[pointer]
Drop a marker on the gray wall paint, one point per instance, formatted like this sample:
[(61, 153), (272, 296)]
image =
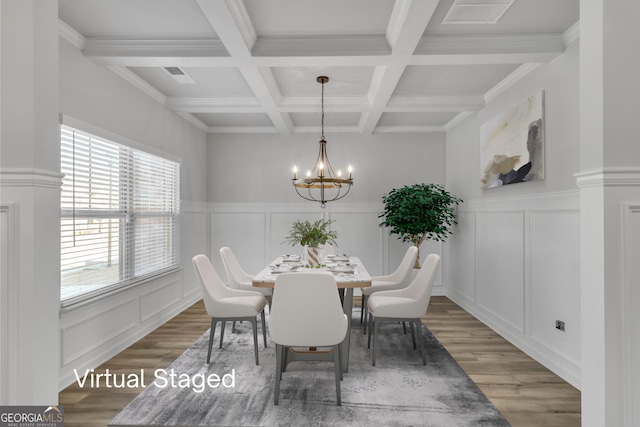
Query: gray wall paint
[(520, 244)]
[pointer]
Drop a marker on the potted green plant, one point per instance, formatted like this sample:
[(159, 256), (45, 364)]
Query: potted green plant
[(419, 212), (310, 236)]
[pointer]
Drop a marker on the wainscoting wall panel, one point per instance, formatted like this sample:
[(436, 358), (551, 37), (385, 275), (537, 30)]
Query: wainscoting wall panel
[(500, 265), (357, 227), (279, 224), (157, 300), (91, 332), (462, 271), (8, 320), (245, 233), (554, 282), (631, 233), (94, 331), (194, 241), (360, 235), (514, 264)]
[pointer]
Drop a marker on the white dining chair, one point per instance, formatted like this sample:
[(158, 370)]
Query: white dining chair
[(293, 323), (237, 277), (401, 278), (225, 304), (403, 305)]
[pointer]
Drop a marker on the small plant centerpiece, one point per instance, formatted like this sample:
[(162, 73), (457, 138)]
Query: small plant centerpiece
[(310, 236), (419, 212)]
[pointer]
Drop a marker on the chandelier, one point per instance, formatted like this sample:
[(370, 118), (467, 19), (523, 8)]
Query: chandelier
[(321, 183)]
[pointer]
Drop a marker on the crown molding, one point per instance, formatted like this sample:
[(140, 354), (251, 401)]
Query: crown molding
[(520, 72), (572, 34), (138, 82), (457, 119), (69, 34), (172, 48), (491, 44), (193, 120)]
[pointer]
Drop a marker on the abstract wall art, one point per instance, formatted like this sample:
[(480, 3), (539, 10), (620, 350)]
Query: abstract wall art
[(512, 145)]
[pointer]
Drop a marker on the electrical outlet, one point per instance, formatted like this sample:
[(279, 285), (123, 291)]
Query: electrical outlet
[(560, 325)]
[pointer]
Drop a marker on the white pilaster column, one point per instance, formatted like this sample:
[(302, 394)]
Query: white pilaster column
[(30, 192), (609, 184)]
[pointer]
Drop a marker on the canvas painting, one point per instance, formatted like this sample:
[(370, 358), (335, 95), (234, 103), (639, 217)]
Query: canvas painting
[(512, 145)]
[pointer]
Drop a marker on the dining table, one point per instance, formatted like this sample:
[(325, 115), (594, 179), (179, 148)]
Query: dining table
[(349, 273)]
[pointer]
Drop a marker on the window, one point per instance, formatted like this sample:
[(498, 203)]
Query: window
[(119, 215)]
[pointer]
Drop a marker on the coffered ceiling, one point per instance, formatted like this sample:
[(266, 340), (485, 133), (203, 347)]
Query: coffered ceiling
[(250, 66)]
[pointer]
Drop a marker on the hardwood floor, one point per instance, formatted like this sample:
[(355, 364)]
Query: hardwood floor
[(524, 391)]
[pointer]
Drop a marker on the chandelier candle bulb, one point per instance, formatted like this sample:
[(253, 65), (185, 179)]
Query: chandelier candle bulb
[(350, 169), (295, 172)]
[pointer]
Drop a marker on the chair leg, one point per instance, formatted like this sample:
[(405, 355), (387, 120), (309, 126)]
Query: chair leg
[(413, 335), (211, 334), (370, 322), (264, 328), (255, 338), (365, 310), (376, 327), (404, 327), (233, 326), (362, 307), (222, 325), (276, 394), (338, 371), (419, 331)]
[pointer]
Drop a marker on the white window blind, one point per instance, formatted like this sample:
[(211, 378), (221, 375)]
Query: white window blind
[(120, 215)]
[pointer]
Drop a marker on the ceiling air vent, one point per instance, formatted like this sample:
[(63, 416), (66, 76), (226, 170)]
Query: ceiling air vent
[(179, 75), (476, 11)]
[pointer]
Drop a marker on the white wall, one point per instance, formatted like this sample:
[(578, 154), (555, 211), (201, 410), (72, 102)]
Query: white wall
[(93, 96), (514, 257), (253, 203)]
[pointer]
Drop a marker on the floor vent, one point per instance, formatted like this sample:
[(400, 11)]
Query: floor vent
[(476, 11)]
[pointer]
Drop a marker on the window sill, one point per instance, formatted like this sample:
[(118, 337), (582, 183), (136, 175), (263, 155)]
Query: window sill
[(111, 291)]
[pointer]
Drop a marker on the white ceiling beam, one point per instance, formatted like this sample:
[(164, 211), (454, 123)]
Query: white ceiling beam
[(330, 45), (201, 47), (490, 44), (409, 21), (214, 105), (232, 25)]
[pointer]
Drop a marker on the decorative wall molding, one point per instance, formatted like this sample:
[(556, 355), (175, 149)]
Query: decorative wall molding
[(609, 177), (572, 34), (552, 200), (513, 78), (631, 321), (130, 314), (27, 177), (8, 302), (70, 35), (521, 243)]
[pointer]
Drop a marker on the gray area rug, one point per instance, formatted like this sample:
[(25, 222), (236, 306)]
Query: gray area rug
[(398, 391)]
